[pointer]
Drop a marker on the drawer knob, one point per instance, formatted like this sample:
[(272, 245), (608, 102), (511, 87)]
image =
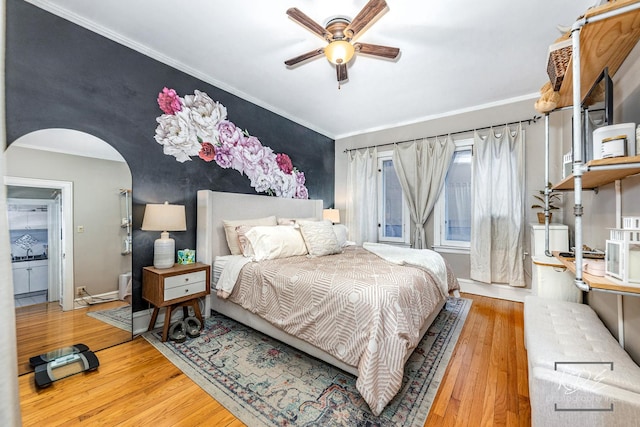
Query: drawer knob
[(186, 291)]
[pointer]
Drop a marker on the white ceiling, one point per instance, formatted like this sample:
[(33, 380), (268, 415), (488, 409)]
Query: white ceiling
[(68, 141), (456, 55)]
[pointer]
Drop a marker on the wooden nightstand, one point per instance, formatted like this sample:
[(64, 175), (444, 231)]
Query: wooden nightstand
[(178, 286)]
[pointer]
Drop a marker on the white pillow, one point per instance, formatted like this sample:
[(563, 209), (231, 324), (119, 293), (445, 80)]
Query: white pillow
[(232, 235), (275, 242), (319, 237), (243, 242), (341, 234)]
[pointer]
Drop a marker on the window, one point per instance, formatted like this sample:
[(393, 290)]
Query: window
[(452, 213), (393, 212)]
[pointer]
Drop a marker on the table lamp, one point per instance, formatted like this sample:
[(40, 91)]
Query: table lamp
[(164, 218), (332, 215)]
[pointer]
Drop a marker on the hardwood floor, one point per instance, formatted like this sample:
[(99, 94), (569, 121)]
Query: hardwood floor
[(485, 383), (45, 327)]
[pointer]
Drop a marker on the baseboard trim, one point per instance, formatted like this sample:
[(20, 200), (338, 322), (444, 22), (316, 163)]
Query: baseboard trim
[(141, 319), (83, 302), (494, 290)]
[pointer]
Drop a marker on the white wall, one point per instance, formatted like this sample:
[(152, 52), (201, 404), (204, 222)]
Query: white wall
[(97, 251), (599, 209), (534, 153)]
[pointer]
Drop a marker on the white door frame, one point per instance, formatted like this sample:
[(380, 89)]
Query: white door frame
[(66, 255)]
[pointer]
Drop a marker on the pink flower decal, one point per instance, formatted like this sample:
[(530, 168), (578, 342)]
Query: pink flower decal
[(301, 192), (207, 152), (169, 101), (284, 163), (187, 123), (224, 158), (229, 134)]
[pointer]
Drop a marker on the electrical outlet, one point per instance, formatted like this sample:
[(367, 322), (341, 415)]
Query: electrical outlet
[(81, 290)]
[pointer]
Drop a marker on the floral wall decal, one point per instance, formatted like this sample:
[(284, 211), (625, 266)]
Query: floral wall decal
[(196, 125)]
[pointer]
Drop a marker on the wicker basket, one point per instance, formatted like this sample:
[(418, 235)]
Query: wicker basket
[(559, 56)]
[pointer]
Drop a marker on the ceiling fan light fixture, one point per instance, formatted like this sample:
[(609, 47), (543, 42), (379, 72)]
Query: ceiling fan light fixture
[(339, 52)]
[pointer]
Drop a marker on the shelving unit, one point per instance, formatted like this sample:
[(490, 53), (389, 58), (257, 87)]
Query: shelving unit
[(603, 43), (606, 35), (125, 223), (601, 283), (603, 171)]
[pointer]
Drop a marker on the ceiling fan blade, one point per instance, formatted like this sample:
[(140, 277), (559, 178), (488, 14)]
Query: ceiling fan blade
[(377, 50), (368, 13), (308, 23), (341, 71), (304, 57)]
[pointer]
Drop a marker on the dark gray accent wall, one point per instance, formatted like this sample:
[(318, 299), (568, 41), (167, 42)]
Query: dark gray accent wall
[(60, 75)]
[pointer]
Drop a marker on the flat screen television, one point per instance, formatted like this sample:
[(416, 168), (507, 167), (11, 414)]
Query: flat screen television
[(597, 111)]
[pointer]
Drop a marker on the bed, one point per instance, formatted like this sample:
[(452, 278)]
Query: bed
[(366, 329)]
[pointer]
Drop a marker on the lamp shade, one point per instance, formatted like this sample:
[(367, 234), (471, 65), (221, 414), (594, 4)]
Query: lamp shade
[(164, 218), (339, 52), (332, 215)]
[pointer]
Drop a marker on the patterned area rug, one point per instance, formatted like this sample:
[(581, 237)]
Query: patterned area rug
[(266, 383), (119, 317)]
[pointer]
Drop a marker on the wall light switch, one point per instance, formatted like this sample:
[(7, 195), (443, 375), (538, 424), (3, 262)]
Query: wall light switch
[(81, 229)]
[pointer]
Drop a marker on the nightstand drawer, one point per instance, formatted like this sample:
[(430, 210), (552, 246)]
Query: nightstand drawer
[(184, 279), (184, 290)]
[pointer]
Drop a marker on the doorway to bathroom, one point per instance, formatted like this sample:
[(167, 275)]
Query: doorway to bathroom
[(40, 229)]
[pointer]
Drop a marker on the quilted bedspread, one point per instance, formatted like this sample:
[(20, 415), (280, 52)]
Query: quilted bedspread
[(365, 311)]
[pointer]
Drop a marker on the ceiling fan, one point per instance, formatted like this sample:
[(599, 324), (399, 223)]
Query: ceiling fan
[(339, 32)]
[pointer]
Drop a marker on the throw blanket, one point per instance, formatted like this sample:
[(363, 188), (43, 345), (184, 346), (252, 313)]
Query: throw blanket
[(356, 306), (229, 275), (425, 259)]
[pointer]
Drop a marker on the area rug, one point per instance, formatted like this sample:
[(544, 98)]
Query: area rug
[(119, 317), (264, 382)]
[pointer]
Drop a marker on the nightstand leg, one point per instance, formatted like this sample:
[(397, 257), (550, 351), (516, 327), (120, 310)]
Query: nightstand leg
[(196, 310), (154, 317), (167, 322)]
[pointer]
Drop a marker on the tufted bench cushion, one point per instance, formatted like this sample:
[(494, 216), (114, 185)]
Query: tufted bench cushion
[(578, 373)]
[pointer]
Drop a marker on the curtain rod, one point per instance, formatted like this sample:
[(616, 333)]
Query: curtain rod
[(527, 121)]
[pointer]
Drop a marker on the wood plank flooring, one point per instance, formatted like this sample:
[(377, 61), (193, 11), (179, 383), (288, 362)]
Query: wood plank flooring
[(485, 383), (45, 327)]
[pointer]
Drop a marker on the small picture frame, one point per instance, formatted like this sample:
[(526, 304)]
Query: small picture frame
[(186, 256)]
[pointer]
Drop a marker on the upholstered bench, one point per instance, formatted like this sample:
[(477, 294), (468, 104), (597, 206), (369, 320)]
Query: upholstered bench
[(578, 373)]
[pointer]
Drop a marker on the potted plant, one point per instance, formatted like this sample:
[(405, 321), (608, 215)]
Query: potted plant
[(554, 199)]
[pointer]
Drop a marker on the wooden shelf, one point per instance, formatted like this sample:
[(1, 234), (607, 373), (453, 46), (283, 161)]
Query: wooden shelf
[(598, 282), (603, 44), (595, 177)]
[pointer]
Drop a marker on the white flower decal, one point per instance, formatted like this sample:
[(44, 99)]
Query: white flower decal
[(176, 134)]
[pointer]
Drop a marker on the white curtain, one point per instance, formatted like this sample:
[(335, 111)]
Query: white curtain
[(497, 229), (422, 167), (362, 195), (10, 403)]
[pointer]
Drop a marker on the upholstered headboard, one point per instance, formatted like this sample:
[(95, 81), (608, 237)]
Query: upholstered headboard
[(214, 206)]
